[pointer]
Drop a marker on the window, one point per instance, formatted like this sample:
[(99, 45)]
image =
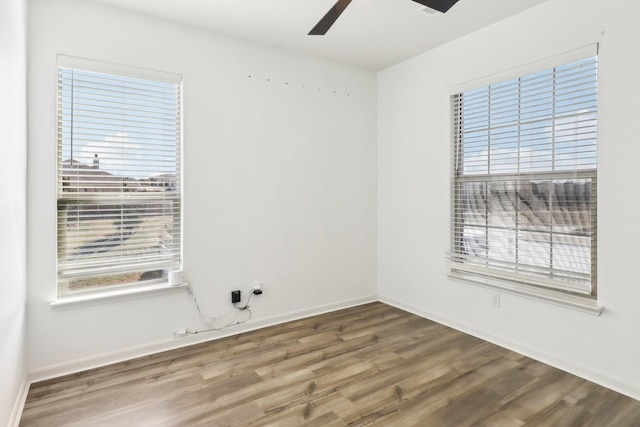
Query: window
[(524, 180), (118, 186)]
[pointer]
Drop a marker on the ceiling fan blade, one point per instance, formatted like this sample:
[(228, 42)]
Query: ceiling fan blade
[(327, 20), (439, 5)]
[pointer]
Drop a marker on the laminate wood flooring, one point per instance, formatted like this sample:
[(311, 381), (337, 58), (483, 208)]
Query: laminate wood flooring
[(367, 365)]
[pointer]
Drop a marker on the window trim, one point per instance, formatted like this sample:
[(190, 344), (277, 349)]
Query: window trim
[(574, 302), (112, 294), (579, 301), (132, 289)]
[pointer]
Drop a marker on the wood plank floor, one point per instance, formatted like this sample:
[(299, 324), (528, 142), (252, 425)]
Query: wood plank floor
[(366, 365)]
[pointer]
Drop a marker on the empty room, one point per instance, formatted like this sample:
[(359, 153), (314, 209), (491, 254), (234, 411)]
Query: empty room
[(319, 212)]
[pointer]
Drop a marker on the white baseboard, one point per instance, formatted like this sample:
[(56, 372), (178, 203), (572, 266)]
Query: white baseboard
[(18, 406), (616, 384), (97, 361)]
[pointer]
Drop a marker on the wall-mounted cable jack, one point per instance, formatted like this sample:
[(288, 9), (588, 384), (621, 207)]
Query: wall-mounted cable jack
[(179, 333)]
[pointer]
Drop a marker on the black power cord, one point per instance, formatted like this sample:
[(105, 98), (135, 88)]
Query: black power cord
[(244, 308)]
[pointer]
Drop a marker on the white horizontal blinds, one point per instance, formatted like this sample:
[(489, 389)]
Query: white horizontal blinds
[(524, 184), (118, 173)]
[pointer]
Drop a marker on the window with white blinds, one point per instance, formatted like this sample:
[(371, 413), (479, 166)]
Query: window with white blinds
[(524, 185), (118, 187)]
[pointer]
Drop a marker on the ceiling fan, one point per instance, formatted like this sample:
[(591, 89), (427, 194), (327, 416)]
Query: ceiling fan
[(332, 15)]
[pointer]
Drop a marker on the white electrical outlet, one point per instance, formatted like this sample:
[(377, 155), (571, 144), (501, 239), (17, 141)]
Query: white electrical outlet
[(257, 288), (495, 299), (179, 333)]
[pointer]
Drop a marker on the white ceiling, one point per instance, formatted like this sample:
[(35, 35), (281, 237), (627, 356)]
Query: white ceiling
[(372, 34)]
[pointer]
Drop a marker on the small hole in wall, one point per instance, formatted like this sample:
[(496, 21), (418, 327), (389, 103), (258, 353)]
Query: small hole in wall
[(302, 86)]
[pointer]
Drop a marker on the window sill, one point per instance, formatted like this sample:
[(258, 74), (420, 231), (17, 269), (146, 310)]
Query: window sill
[(573, 302), (115, 295)]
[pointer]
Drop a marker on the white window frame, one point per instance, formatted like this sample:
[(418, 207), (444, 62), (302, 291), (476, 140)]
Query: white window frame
[(503, 277), (143, 198)]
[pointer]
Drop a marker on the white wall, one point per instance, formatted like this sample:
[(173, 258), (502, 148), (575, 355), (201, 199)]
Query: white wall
[(413, 199), (13, 215), (280, 183)]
